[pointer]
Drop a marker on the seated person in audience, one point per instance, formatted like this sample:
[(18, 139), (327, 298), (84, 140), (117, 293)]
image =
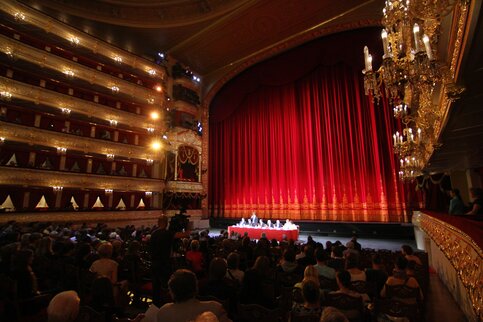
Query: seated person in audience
[(357, 245), (337, 260), (344, 282), (310, 273), (352, 266), (322, 268), (217, 285), (183, 287), (195, 257), (23, 273), (477, 204), (456, 205), (258, 285), (64, 307), (400, 277), (307, 256), (407, 252), (105, 266), (207, 317), (377, 274), (311, 296), (288, 264), (350, 250), (233, 272), (331, 314)]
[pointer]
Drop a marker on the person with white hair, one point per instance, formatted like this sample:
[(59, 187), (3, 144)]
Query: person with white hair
[(64, 307)]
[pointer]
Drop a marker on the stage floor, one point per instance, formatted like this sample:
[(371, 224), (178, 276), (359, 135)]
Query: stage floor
[(374, 243)]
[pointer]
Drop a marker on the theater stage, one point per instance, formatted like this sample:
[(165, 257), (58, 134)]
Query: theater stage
[(370, 235)]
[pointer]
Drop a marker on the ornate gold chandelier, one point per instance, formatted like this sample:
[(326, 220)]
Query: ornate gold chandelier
[(410, 75)]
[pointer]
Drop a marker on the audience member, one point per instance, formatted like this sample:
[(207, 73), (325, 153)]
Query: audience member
[(331, 314), (233, 272), (477, 204), (195, 257), (408, 252), (310, 273), (456, 205), (377, 274), (183, 287), (105, 266), (64, 307), (344, 282), (322, 268), (400, 277), (352, 266), (311, 304)]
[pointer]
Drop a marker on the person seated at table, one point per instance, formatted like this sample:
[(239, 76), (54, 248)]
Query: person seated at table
[(249, 222), (269, 224), (242, 222), (261, 224), (278, 224)]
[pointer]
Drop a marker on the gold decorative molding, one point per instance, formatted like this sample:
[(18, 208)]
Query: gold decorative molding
[(39, 95), (450, 91), (47, 60), (463, 253), (44, 178), (97, 46), (181, 136), (187, 83), (183, 186), (186, 107), (36, 136), (148, 216)]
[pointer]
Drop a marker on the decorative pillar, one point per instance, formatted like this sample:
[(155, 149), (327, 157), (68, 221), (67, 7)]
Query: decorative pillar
[(131, 202), (67, 126), (199, 166), (63, 158), (134, 169), (89, 166), (136, 139), (93, 131), (110, 197), (32, 156), (155, 169), (113, 167), (85, 203), (38, 117), (175, 165), (116, 136), (58, 199), (26, 199)]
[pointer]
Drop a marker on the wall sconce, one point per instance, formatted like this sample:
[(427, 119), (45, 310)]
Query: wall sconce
[(65, 110), (118, 59), (108, 191), (5, 95), (158, 88), (148, 193), (69, 73), (2, 140), (110, 156), (113, 122), (74, 40), (149, 161), (57, 188), (61, 150), (19, 16), (151, 100), (152, 72), (150, 130), (115, 89)]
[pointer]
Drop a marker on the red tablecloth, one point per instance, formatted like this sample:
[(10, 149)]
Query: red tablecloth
[(271, 233)]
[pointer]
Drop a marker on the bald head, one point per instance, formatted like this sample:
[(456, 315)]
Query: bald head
[(207, 317), (64, 307)]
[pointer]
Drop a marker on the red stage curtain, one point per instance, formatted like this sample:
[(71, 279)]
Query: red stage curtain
[(312, 148)]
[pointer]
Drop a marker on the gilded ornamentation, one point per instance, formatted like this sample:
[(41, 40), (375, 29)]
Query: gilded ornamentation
[(186, 107), (182, 136), (463, 253), (31, 135), (40, 20), (34, 177), (30, 54), (39, 95), (182, 186)]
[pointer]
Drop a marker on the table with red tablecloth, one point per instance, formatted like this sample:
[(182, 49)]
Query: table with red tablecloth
[(270, 233)]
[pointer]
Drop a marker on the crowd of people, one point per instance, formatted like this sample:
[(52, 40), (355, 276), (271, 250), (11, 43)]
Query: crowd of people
[(192, 273)]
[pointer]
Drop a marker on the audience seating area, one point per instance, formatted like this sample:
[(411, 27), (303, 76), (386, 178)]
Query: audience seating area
[(41, 259)]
